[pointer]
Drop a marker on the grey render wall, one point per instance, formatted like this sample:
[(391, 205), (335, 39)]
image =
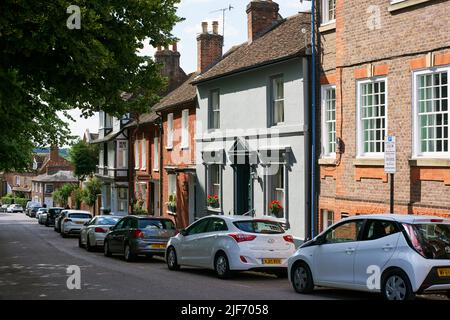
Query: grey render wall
[(244, 101)]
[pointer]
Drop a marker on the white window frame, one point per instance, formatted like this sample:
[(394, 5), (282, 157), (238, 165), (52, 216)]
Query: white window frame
[(359, 126), (156, 154), (325, 223), (213, 112), (18, 180), (143, 154), (416, 122), (121, 200), (169, 141), (185, 129), (274, 100), (326, 152), (136, 154), (209, 186), (172, 187), (271, 189), (325, 18), (48, 185), (122, 152)]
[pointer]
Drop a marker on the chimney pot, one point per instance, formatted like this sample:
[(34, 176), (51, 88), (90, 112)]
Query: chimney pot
[(204, 27), (215, 27), (175, 47)]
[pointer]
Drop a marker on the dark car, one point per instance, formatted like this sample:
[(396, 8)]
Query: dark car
[(33, 210), (51, 216), (139, 235)]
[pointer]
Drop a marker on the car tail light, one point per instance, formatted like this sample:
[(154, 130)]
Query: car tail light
[(138, 234), (243, 259), (100, 230), (241, 237), (415, 243), (288, 238), (67, 220)]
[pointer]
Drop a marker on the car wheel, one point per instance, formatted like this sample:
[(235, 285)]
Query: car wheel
[(127, 254), (222, 267), (80, 244), (88, 245), (172, 261), (106, 250), (302, 279), (395, 285)]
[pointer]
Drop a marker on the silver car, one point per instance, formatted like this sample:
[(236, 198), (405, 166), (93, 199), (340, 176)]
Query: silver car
[(72, 221), (93, 233), (39, 212)]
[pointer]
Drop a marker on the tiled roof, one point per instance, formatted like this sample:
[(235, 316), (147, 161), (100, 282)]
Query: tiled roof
[(285, 40), (60, 176), (186, 92)]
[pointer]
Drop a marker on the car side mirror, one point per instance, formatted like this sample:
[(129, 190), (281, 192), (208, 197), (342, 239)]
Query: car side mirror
[(86, 224), (183, 232)]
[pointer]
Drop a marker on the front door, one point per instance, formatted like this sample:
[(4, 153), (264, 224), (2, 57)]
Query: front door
[(155, 196), (242, 188)]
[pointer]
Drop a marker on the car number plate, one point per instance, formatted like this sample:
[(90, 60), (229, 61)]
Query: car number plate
[(79, 222), (443, 272), (271, 261), (158, 246)]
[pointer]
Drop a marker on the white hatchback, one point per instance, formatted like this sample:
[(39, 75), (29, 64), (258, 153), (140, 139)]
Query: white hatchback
[(73, 221), (397, 255), (231, 243)]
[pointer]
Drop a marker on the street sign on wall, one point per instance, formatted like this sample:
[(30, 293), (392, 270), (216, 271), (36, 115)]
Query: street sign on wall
[(389, 155)]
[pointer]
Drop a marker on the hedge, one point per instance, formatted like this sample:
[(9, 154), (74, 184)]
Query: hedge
[(10, 200)]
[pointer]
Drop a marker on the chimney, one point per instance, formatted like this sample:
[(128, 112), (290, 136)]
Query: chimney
[(170, 61), (209, 47), (54, 153), (261, 16)]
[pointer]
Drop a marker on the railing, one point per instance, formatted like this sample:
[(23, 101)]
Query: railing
[(112, 172)]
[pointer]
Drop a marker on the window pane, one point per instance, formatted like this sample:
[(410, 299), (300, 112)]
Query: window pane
[(330, 120), (346, 232), (277, 100)]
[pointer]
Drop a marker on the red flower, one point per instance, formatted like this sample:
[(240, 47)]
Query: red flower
[(275, 204)]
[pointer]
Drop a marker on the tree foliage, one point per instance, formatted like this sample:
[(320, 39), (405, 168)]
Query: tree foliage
[(84, 158), (46, 68), (61, 195), (91, 189)]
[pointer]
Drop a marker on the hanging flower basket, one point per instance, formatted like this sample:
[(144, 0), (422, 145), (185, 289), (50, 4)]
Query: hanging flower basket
[(213, 201), (275, 207)]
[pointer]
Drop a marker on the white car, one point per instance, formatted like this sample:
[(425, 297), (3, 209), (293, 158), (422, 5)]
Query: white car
[(39, 212), (231, 243), (73, 221), (14, 208), (93, 233), (397, 255)]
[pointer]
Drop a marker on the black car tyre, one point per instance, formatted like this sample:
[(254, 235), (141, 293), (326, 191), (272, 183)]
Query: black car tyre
[(128, 254), (80, 245), (395, 285), (448, 294), (106, 250), (88, 245), (221, 266), (172, 261), (302, 279)]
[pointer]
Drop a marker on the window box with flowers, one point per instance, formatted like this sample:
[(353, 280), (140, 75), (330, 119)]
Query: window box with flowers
[(276, 209), (213, 201), (172, 204)]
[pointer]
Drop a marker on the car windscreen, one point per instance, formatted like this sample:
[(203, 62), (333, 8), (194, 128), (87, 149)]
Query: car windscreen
[(54, 211), (80, 216), (432, 240), (260, 226), (107, 221), (156, 224)]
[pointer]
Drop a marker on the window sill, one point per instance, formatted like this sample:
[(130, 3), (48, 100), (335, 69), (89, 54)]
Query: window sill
[(327, 161), (171, 213), (184, 147), (169, 148), (429, 162), (217, 210), (375, 162), (328, 26), (156, 170), (404, 4)]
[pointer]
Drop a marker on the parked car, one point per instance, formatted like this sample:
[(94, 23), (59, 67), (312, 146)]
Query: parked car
[(410, 255), (93, 233), (33, 210), (29, 205), (52, 214), (14, 208), (139, 235), (4, 207), (39, 211), (58, 220), (232, 243), (72, 221), (42, 215)]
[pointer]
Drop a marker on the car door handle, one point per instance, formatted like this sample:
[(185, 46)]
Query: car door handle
[(350, 250), (388, 247)]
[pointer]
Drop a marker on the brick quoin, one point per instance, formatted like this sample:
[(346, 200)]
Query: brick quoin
[(403, 42)]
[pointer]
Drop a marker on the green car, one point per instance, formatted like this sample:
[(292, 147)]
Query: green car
[(139, 235)]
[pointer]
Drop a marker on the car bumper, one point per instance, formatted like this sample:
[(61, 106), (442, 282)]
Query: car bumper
[(256, 260), (434, 283), (149, 247), (71, 230)]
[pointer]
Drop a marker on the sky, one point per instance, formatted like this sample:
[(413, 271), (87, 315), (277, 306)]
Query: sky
[(195, 12)]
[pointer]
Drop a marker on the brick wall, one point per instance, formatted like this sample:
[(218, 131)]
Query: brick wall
[(394, 48)]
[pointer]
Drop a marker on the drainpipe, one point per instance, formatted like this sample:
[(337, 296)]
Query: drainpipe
[(313, 120), (159, 123)]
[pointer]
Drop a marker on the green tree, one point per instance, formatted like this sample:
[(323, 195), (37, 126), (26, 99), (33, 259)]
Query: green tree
[(77, 197), (84, 158), (92, 188), (47, 68)]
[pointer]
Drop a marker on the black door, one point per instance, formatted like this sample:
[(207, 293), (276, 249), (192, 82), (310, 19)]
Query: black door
[(242, 188)]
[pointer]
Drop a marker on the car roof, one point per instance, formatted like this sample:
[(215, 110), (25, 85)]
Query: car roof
[(240, 218), (77, 211), (402, 218), (148, 217)]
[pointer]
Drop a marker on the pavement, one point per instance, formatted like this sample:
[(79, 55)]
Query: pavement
[(34, 261)]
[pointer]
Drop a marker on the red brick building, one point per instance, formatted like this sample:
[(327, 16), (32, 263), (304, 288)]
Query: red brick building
[(384, 68)]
